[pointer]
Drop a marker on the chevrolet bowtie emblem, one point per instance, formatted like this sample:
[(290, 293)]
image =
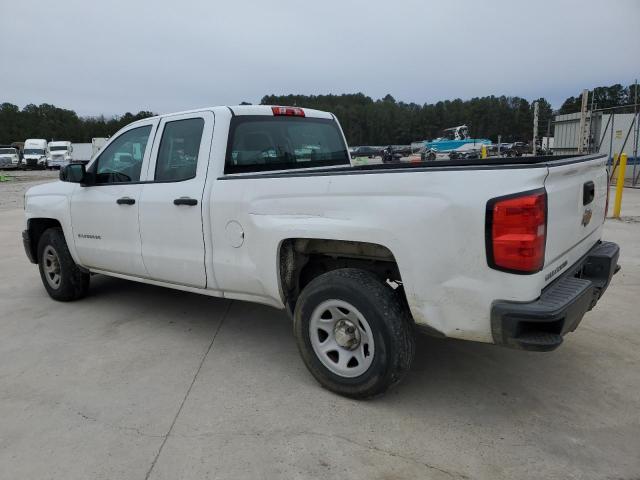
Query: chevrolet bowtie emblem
[(586, 217)]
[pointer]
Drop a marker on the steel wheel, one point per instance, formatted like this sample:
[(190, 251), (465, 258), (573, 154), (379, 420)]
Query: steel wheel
[(51, 267), (341, 338)]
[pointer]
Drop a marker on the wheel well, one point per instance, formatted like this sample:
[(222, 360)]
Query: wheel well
[(303, 259), (37, 227)]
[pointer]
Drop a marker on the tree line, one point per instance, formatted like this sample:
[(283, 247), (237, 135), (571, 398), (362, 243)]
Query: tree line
[(386, 121), (54, 123), (603, 97), (365, 121)]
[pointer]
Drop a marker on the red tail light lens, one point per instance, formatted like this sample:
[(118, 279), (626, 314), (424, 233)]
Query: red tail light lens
[(516, 232), (288, 111)]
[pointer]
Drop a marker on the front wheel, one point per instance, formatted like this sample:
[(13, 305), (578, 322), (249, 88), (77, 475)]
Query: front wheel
[(61, 277), (354, 333)]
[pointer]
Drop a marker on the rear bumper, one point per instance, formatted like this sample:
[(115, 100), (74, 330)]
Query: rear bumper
[(540, 325)]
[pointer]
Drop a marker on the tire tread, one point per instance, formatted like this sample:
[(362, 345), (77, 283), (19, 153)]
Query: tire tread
[(395, 315), (75, 283)]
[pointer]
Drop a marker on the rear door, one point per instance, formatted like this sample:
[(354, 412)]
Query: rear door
[(576, 198), (171, 200)]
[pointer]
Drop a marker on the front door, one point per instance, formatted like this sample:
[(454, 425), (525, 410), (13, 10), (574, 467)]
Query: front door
[(105, 213), (171, 201)]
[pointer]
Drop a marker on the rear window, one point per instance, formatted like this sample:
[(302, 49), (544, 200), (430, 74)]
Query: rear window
[(260, 143), (11, 151)]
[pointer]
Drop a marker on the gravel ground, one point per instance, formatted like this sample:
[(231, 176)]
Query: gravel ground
[(12, 192)]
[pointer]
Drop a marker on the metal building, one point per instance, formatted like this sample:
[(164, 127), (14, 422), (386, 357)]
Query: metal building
[(608, 132), (567, 133)]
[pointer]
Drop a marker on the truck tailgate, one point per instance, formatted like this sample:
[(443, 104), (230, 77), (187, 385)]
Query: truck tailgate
[(576, 202)]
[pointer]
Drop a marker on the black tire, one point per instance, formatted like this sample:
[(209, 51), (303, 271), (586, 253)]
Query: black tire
[(73, 283), (431, 157), (386, 314)]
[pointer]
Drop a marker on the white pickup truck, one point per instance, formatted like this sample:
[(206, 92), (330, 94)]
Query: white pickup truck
[(262, 204)]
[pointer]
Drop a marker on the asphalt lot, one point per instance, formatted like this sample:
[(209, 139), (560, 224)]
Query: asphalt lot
[(138, 382)]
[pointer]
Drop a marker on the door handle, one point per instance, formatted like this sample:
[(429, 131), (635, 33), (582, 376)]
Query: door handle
[(588, 192), (125, 201), (185, 201)]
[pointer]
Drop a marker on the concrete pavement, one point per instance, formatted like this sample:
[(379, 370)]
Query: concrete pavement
[(139, 382)]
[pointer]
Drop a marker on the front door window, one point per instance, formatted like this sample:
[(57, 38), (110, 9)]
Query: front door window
[(121, 160)]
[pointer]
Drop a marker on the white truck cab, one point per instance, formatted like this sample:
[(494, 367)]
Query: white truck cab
[(9, 157), (262, 204), (35, 152), (59, 154)]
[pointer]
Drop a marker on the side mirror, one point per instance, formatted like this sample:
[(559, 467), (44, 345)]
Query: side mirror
[(74, 173)]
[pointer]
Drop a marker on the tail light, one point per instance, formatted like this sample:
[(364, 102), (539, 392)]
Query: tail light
[(288, 111), (516, 232)]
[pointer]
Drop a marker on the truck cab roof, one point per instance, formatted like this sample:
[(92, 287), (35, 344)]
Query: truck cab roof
[(239, 110)]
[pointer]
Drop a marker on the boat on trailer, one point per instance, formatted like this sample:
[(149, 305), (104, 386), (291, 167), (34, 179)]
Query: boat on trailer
[(453, 143)]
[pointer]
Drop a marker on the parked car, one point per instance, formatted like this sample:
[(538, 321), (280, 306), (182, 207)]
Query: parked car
[(517, 149), (361, 257), (403, 150), (366, 151)]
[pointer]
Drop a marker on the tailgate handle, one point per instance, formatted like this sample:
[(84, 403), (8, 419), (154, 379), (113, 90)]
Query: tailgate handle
[(588, 192)]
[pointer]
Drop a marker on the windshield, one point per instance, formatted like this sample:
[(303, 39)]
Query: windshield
[(34, 151), (10, 151), (449, 134), (260, 143), (55, 148)]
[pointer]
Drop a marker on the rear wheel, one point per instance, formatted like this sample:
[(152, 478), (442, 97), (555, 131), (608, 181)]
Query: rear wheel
[(61, 277), (353, 332)]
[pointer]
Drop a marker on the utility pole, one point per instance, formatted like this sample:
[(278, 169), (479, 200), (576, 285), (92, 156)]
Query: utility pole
[(583, 120), (593, 99), (535, 126)]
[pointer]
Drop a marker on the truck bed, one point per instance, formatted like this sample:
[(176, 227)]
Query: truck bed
[(469, 164)]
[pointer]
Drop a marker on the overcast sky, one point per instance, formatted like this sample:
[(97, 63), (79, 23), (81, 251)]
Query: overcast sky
[(125, 55)]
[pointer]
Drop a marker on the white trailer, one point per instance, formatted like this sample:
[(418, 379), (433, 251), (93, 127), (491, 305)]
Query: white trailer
[(82, 152), (97, 144)]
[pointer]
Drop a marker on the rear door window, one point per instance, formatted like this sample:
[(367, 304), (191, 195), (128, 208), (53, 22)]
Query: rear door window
[(259, 143), (178, 152)]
